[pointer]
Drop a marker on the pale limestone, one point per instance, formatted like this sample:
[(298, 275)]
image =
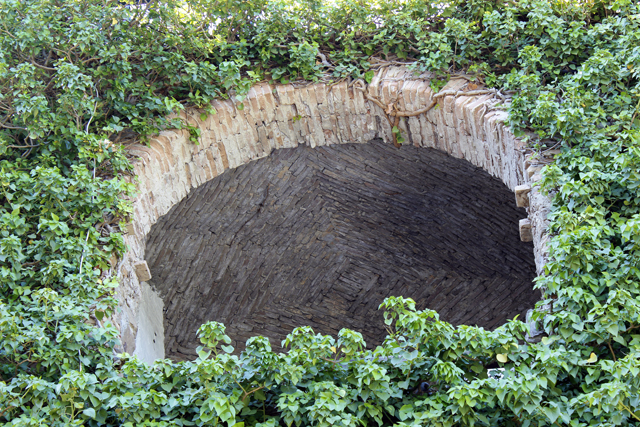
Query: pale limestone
[(526, 234), (522, 195), (142, 271)]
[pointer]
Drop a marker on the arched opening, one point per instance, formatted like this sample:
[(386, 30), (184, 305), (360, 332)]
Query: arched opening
[(319, 237), (463, 124)]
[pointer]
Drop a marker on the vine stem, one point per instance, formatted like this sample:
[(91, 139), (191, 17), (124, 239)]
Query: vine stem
[(250, 392), (611, 349), (458, 93), (392, 111), (93, 174), (95, 107), (635, 112), (628, 409)]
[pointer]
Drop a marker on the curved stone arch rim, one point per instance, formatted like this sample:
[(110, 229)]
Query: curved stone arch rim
[(285, 116)]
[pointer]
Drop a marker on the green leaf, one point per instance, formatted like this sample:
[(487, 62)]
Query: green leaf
[(477, 368), (405, 412), (552, 413), (368, 76)]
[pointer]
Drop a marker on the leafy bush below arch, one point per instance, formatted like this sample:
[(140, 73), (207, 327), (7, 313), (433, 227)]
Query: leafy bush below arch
[(79, 77)]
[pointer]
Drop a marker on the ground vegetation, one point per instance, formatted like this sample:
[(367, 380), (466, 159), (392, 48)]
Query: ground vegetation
[(79, 78)]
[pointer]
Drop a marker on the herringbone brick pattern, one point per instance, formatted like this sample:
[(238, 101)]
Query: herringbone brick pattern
[(321, 236)]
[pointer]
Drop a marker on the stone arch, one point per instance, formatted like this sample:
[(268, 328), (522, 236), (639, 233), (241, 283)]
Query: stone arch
[(465, 125)]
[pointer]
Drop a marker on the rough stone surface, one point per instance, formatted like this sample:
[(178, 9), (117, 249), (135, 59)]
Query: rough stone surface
[(320, 237), (150, 336), (522, 195), (286, 116)]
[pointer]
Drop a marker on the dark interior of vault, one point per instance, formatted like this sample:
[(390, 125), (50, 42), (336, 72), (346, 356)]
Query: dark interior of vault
[(319, 237)]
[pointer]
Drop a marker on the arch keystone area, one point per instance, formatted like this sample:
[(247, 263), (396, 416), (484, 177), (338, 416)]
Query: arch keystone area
[(460, 120)]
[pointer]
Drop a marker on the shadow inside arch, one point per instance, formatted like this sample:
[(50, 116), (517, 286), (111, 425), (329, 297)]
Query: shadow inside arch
[(321, 236)]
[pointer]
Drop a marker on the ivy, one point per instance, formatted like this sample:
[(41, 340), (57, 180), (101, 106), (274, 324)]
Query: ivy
[(79, 78)]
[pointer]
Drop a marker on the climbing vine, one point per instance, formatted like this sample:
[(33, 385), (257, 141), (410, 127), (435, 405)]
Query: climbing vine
[(80, 78)]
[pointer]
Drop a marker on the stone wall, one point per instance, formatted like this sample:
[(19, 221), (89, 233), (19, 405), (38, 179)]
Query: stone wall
[(464, 125)]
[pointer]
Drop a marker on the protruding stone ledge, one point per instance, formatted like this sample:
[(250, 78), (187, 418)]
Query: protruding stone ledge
[(142, 271), (533, 169), (526, 235), (522, 195), (129, 228)]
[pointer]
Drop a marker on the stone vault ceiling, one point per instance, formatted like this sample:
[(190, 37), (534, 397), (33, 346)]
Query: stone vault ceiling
[(321, 236)]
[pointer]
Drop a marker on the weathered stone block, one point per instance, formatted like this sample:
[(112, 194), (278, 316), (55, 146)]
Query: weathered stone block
[(142, 271), (533, 169), (129, 228), (522, 195), (525, 230)]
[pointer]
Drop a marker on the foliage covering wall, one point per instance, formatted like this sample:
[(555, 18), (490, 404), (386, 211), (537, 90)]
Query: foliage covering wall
[(78, 77)]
